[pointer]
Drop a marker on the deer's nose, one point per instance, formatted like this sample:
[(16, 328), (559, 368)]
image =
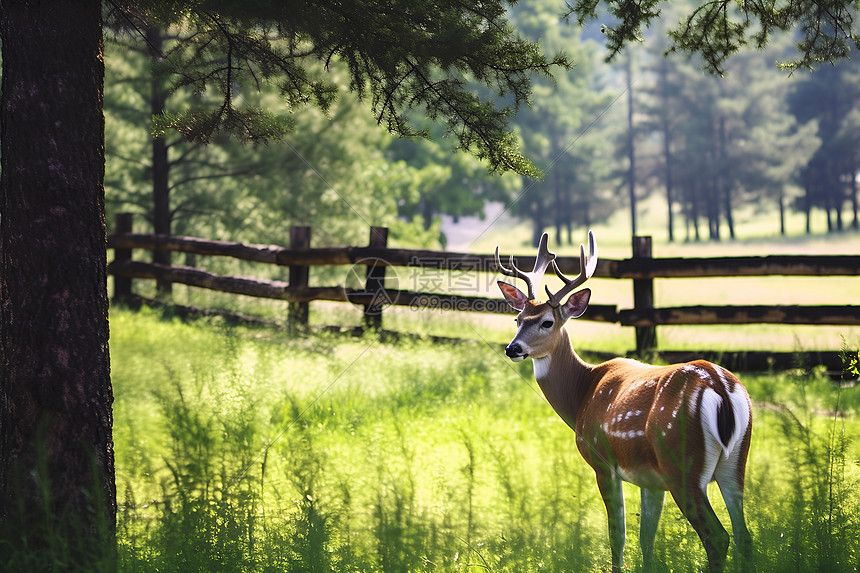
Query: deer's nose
[(514, 350)]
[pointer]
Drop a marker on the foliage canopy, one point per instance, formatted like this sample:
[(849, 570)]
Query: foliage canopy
[(400, 55), (720, 28)]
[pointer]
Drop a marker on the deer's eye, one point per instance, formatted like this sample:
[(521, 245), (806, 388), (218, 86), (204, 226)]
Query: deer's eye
[(546, 324)]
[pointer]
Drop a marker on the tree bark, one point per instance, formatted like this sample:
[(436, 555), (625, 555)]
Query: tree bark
[(57, 490)]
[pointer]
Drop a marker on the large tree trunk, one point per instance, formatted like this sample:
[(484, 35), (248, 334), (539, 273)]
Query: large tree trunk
[(57, 493)]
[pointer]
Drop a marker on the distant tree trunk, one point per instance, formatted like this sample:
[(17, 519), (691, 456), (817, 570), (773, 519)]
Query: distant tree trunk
[(781, 202), (536, 211), (712, 195), (558, 200), (855, 223), (161, 215), (722, 181), (832, 197), (568, 214), (714, 209), (670, 200), (685, 206), (666, 129), (427, 212), (631, 154), (695, 207), (57, 468), (807, 200), (838, 201)]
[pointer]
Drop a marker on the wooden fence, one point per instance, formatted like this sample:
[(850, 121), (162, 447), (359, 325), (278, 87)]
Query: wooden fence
[(642, 269)]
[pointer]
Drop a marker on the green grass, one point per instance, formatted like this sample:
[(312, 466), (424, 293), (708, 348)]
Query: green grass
[(241, 449)]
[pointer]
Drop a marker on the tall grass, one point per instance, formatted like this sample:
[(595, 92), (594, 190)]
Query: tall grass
[(244, 450)]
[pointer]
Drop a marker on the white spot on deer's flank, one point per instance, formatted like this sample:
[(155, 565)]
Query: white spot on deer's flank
[(628, 435)]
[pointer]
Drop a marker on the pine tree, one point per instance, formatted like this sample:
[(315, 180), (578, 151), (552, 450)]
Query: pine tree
[(727, 142), (55, 415), (57, 493), (831, 98), (558, 133), (716, 30)]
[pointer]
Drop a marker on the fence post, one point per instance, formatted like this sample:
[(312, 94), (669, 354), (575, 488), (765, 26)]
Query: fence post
[(643, 299), (123, 223), (375, 282), (298, 312)]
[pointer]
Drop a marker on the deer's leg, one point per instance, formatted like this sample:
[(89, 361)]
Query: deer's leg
[(650, 510), (695, 506), (612, 493), (731, 483)]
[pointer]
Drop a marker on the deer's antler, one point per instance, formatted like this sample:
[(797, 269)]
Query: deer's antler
[(587, 266), (542, 261)]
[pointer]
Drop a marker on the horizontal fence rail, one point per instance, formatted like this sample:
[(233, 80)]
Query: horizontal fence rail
[(642, 269), (773, 265)]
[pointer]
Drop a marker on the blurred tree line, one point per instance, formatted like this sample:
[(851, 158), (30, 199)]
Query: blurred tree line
[(711, 145), (335, 170), (756, 136)]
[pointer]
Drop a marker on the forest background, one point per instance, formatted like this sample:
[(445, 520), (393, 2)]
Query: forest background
[(607, 136)]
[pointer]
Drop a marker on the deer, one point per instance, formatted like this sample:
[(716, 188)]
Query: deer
[(662, 428)]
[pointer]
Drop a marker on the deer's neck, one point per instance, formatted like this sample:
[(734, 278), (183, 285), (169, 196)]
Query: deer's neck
[(564, 379)]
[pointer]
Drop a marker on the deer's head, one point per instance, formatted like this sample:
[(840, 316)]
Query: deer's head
[(539, 324)]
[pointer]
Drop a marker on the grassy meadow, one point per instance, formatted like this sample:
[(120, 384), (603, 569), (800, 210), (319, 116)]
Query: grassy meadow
[(244, 449)]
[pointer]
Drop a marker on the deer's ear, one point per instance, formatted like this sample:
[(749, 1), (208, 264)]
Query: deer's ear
[(515, 297), (577, 303)]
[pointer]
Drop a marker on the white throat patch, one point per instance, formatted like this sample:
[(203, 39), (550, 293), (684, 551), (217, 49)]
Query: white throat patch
[(541, 366)]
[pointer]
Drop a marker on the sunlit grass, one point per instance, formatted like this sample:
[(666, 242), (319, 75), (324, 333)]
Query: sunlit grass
[(243, 449)]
